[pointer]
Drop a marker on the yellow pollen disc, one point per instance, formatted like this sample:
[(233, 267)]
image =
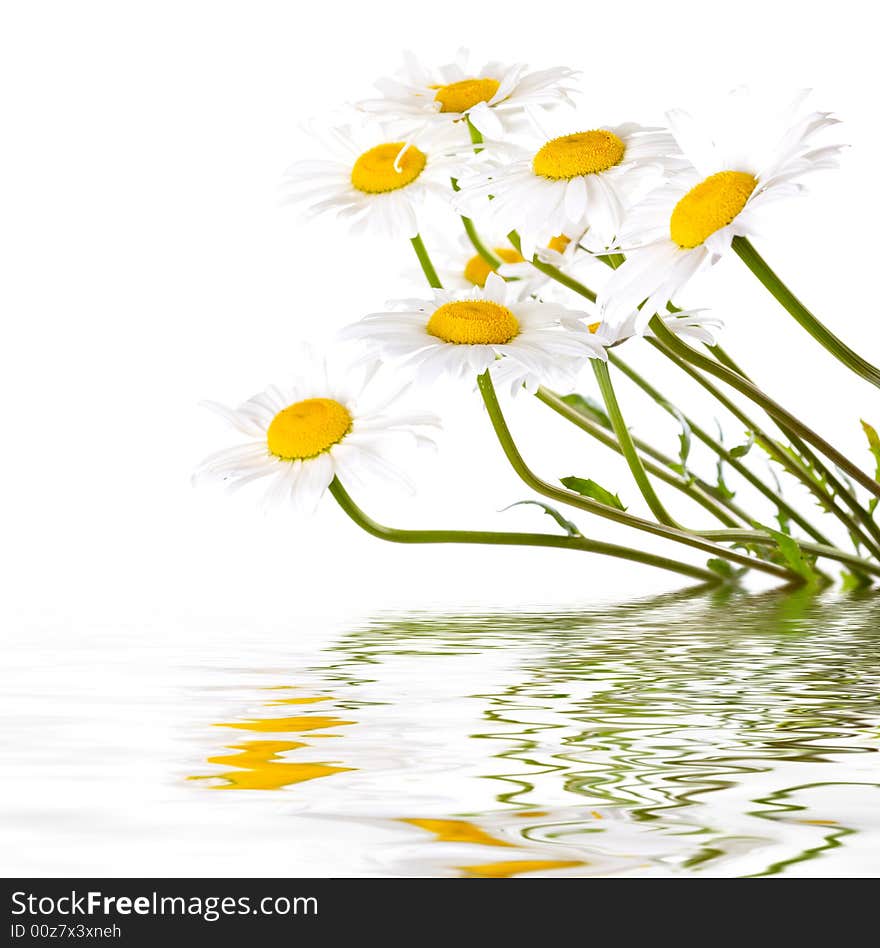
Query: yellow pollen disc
[(473, 323), (709, 206), (559, 243), (464, 95), (571, 156), (387, 168), (594, 327), (477, 269), (308, 428)]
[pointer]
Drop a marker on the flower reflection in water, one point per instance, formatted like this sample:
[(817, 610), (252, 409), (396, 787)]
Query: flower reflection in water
[(259, 764), (727, 734)]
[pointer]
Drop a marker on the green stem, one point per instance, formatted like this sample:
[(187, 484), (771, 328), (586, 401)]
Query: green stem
[(478, 245), (425, 261), (394, 535), (511, 452), (811, 458), (702, 435), (553, 272), (606, 387), (693, 489), (821, 333), (774, 409), (823, 550), (790, 462)]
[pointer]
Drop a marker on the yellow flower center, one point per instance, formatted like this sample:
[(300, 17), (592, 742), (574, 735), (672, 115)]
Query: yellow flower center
[(464, 95), (477, 269), (387, 167), (473, 323), (571, 156), (594, 327), (709, 206), (559, 243), (308, 428)]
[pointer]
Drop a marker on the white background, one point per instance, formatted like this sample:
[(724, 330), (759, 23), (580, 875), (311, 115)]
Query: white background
[(146, 264)]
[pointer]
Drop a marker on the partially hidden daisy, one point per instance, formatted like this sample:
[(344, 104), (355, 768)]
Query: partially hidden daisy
[(460, 266), (694, 325), (379, 185), (466, 332), (488, 97), (746, 157), (326, 425), (578, 182)]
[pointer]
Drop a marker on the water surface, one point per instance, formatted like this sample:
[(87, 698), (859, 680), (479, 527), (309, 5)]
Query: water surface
[(726, 734)]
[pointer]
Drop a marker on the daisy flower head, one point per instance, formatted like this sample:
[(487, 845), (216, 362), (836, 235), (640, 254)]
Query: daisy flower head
[(489, 98), (327, 424), (376, 184), (463, 333), (748, 155), (693, 325), (461, 267), (576, 182)]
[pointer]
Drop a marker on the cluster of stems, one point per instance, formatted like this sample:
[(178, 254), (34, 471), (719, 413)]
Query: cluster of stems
[(742, 542)]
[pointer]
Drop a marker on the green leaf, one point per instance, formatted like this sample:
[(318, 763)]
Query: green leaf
[(569, 527), (853, 580), (589, 408), (741, 450), (684, 439), (724, 568), (721, 487), (589, 488), (784, 521), (794, 556), (873, 444)]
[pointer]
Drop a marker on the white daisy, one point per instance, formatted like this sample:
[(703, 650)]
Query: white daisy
[(464, 333), (378, 185), (691, 324), (488, 97), (324, 425), (754, 155), (460, 267), (575, 182)]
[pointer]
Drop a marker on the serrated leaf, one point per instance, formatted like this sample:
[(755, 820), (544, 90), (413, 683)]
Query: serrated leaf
[(589, 408), (793, 555), (873, 444), (569, 527), (741, 450), (587, 487), (784, 521)]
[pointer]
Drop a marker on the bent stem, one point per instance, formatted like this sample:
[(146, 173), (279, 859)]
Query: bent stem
[(820, 332), (606, 387), (425, 262), (492, 538), (753, 393), (511, 452)]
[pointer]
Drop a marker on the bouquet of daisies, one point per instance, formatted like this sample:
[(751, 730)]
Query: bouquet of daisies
[(545, 199)]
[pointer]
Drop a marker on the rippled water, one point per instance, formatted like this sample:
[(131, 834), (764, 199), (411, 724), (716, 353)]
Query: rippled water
[(731, 734)]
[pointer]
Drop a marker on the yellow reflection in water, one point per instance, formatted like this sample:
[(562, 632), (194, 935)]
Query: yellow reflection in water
[(263, 769), (456, 831), (285, 725), (259, 764), (516, 867)]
